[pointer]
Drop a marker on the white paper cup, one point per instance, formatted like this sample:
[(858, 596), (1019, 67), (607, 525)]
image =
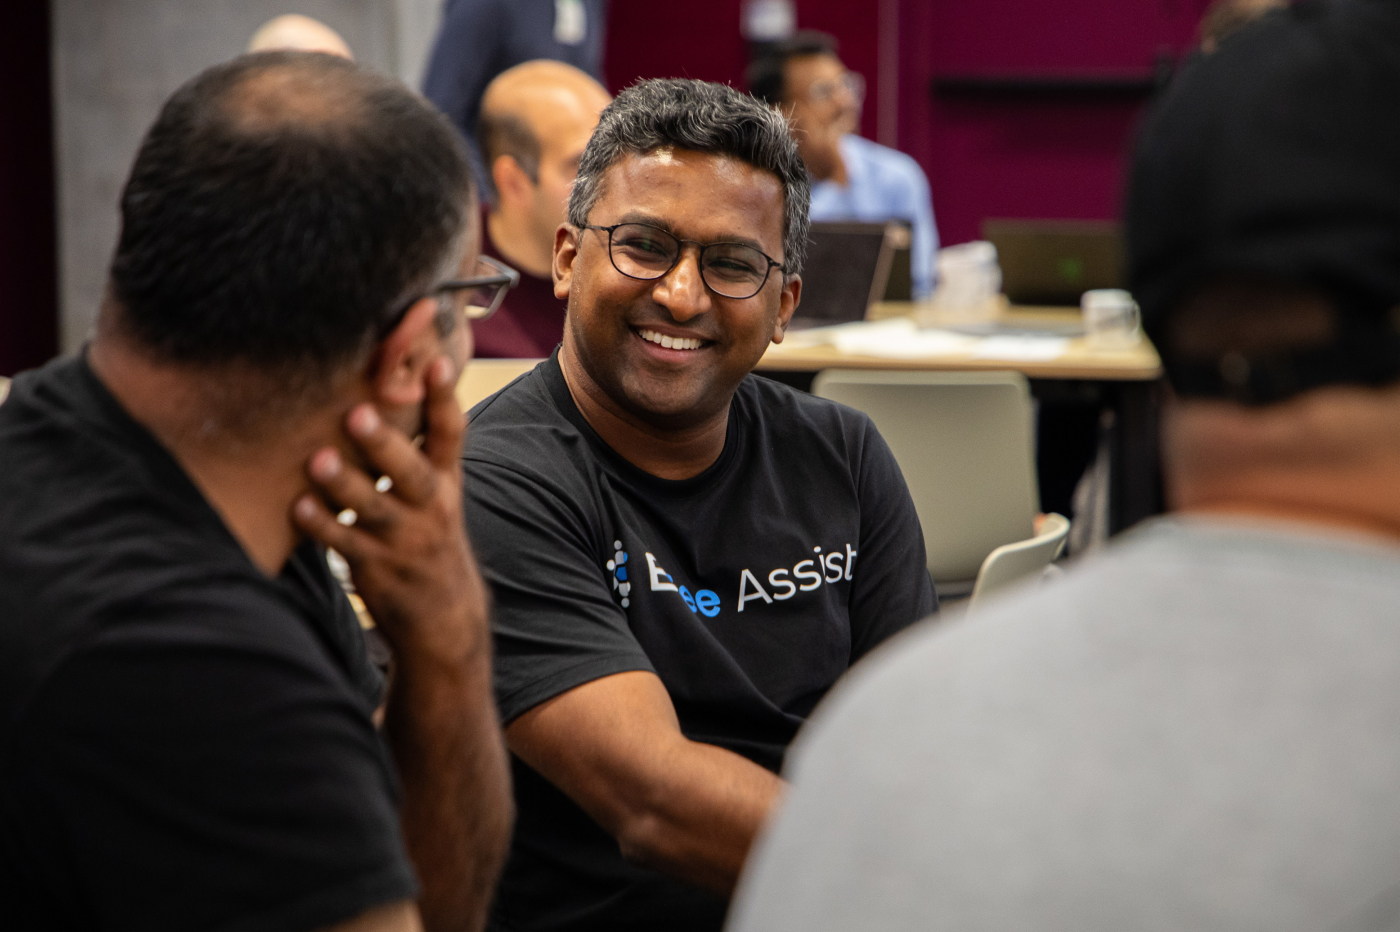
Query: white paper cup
[(1112, 320)]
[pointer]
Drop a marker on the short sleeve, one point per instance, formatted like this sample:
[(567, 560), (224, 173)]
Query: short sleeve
[(892, 586), (557, 622), (201, 781)]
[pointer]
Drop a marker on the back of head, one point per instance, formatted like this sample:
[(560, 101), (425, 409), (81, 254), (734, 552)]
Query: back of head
[(516, 99), (301, 33), (280, 211), (765, 73), (1264, 209), (700, 117)]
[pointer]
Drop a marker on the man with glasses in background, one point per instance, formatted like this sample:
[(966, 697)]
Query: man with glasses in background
[(684, 556), (852, 177)]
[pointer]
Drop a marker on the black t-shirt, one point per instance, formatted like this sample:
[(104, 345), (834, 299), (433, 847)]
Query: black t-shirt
[(185, 743), (748, 589)]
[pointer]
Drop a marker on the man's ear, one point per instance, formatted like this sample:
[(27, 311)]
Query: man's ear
[(513, 186), (791, 297), (565, 252), (397, 368)]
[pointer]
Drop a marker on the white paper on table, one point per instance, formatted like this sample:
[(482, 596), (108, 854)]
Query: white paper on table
[(898, 338), (1021, 348)]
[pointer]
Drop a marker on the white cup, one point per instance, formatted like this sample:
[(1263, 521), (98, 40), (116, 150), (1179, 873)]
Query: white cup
[(969, 280), (1112, 320)]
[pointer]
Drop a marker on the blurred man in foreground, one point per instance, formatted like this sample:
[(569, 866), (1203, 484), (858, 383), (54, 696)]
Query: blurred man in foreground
[(186, 740), (684, 556), (535, 121), (1196, 729), (852, 177)]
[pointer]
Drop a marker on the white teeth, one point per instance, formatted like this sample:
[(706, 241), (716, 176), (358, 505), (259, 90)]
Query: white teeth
[(680, 343)]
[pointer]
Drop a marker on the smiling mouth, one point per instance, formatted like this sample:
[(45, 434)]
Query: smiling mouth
[(665, 342)]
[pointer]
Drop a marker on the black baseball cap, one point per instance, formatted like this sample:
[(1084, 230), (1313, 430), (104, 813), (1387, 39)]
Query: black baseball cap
[(1277, 157)]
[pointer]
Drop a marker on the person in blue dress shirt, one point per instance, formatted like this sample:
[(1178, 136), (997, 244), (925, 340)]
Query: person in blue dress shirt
[(852, 177), (479, 39)]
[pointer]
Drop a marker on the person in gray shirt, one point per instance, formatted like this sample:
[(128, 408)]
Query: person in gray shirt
[(1195, 729)]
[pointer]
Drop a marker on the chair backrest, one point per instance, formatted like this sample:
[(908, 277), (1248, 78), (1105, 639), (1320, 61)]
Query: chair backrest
[(485, 377), (965, 443), (1010, 563)]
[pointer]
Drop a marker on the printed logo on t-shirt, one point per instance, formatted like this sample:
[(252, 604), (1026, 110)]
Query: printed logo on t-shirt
[(704, 601), (812, 574), (618, 567), (805, 576)]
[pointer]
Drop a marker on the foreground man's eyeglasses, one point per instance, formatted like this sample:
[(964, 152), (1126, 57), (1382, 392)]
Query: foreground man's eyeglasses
[(646, 253), (476, 298), (480, 296)]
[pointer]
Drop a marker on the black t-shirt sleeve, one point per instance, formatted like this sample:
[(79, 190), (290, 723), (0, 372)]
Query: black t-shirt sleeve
[(207, 783), (892, 586), (558, 623)]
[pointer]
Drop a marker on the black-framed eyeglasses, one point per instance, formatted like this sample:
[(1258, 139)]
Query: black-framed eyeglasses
[(646, 253), (475, 298)]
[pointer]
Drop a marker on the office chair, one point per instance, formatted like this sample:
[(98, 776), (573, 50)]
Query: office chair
[(965, 444)]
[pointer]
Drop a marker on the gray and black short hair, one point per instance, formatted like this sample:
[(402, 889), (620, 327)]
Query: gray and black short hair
[(700, 117)]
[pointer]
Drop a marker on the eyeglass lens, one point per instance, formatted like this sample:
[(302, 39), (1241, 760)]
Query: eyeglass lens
[(481, 302), (646, 253), (850, 82)]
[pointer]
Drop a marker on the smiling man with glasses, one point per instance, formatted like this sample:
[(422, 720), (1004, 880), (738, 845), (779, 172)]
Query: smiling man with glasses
[(684, 556)]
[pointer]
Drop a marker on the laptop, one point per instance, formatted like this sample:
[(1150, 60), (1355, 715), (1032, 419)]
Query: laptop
[(847, 270), (1053, 262)]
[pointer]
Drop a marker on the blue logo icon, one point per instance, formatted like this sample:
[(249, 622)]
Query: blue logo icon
[(618, 566)]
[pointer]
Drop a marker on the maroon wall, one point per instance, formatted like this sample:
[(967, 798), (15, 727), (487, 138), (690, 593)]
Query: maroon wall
[(989, 151), (1024, 148), (28, 277)]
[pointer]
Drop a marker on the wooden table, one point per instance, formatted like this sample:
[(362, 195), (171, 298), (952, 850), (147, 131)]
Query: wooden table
[(1079, 361), (1124, 383)]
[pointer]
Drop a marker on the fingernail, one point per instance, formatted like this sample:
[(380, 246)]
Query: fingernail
[(326, 464), (443, 373), (363, 420), (306, 507)]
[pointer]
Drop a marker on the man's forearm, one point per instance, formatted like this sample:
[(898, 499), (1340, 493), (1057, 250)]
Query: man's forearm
[(457, 810), (700, 820)]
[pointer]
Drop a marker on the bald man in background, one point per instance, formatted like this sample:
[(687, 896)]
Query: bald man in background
[(300, 34), (536, 119)]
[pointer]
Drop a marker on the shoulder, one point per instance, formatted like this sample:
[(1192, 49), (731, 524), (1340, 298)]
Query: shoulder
[(887, 163), (521, 426), (779, 410)]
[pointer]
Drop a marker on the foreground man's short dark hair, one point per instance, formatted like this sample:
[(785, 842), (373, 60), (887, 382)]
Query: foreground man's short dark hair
[(1272, 168), (281, 209), (700, 117)]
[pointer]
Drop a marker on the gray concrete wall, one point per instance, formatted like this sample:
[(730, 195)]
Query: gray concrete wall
[(115, 63)]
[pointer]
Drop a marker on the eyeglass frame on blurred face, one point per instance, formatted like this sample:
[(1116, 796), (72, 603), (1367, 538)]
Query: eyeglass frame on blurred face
[(851, 82), (505, 279), (680, 251)]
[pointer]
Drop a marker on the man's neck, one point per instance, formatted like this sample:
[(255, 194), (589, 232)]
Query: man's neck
[(519, 245), (680, 453), (826, 164), (1358, 519), (250, 484)]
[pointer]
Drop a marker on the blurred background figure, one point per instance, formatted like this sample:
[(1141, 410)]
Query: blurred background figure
[(481, 38), (299, 33), (535, 120), (1227, 16), (852, 177)]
